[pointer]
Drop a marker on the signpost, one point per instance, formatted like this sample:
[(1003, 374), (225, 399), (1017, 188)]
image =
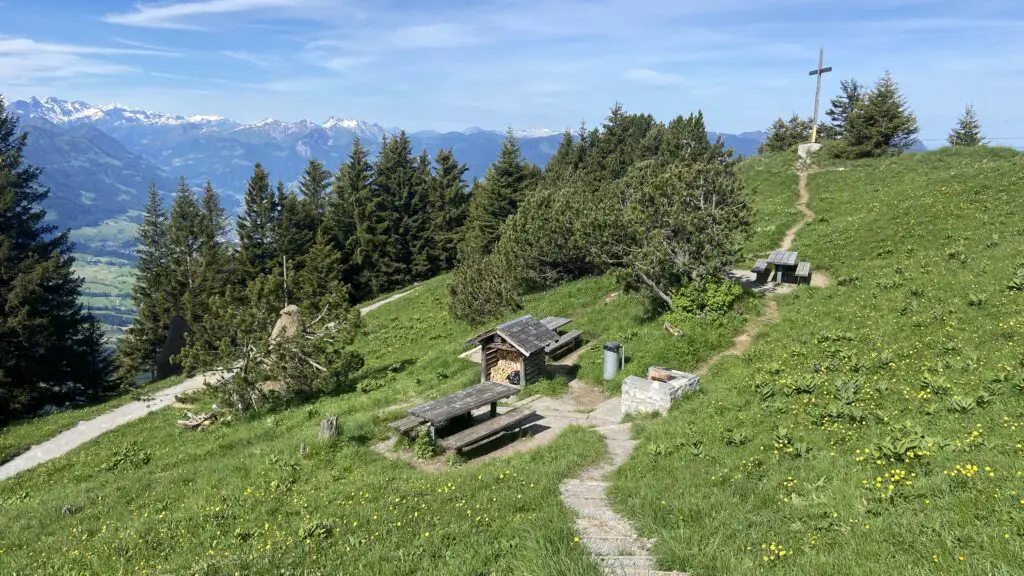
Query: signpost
[(817, 93)]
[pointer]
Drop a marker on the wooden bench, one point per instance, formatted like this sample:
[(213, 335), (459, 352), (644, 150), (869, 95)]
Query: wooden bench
[(407, 424), (760, 270), (803, 273), (564, 343), (554, 322), (486, 429)]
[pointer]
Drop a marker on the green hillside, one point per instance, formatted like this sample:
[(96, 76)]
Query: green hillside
[(910, 364)]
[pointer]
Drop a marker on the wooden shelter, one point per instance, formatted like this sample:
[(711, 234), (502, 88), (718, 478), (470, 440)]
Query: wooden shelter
[(514, 352)]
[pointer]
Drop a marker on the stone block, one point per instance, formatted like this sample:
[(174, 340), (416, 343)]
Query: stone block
[(646, 395)]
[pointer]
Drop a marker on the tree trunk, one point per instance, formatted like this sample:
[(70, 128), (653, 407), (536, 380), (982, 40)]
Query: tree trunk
[(329, 428)]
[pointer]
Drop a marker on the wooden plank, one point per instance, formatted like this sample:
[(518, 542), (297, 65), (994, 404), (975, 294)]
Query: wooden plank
[(782, 258), (486, 429), (406, 424), (554, 322), (567, 339), (462, 401), (760, 266), (803, 270)]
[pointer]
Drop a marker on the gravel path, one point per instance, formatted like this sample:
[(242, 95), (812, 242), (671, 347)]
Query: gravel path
[(87, 430)]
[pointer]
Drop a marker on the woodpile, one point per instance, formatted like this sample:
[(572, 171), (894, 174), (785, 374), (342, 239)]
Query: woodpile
[(197, 421), (508, 362)]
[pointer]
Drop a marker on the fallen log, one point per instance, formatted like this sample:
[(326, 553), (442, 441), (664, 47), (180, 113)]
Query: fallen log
[(196, 421)]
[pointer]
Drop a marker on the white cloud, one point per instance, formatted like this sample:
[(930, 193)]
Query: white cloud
[(23, 60), (263, 61), (652, 77), (175, 15)]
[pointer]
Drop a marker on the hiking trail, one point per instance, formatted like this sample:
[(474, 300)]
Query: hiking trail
[(611, 538), (87, 430)]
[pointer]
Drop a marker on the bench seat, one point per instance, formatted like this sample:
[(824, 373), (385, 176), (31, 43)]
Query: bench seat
[(565, 341), (803, 270), (407, 424), (486, 429), (760, 266)]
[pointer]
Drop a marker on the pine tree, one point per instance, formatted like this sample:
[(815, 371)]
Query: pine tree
[(563, 163), (386, 251), (45, 337), (314, 187), (841, 106), (417, 217), (138, 349), (967, 132), (495, 199), (782, 136), (184, 239), (319, 284), (296, 230), (351, 187), (881, 124), (449, 209), (257, 228)]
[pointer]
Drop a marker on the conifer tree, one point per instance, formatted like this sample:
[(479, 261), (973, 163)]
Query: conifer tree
[(184, 238), (350, 188), (296, 230), (314, 187), (138, 349), (449, 209), (385, 252), (417, 216), (495, 199), (967, 132), (563, 162), (881, 124), (841, 106), (783, 135), (257, 228), (45, 337), (319, 283)]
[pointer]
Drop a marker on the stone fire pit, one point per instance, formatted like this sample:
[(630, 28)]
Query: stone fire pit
[(656, 392)]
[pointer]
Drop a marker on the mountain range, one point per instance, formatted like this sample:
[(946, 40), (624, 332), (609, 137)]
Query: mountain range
[(99, 160)]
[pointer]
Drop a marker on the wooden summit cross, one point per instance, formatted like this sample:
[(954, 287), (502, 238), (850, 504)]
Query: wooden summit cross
[(817, 93)]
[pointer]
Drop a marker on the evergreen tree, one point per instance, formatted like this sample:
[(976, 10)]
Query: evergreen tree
[(417, 217), (881, 124), (352, 187), (138, 349), (46, 339), (563, 163), (495, 199), (184, 238), (319, 284), (967, 132), (386, 245), (257, 228), (296, 230), (841, 106), (314, 187), (782, 136), (449, 209)]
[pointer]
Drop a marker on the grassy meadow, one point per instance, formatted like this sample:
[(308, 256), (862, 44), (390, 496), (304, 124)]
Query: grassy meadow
[(150, 498), (878, 427)]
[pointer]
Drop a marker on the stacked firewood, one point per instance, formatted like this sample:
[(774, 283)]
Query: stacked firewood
[(508, 362)]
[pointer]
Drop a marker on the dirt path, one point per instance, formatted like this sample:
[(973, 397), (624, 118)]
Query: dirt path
[(610, 537), (88, 429)]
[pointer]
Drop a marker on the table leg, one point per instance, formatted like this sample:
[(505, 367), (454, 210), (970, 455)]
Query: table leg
[(494, 409), (433, 438)]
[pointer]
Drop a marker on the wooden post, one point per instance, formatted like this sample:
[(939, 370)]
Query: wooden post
[(494, 409), (817, 92), (483, 363)]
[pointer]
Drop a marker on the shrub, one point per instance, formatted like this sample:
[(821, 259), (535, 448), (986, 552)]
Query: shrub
[(705, 299)]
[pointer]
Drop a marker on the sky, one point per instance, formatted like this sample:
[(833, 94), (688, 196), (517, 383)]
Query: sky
[(451, 64)]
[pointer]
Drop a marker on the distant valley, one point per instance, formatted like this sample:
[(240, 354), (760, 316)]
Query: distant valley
[(99, 161)]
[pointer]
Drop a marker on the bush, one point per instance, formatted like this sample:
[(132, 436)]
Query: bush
[(711, 299)]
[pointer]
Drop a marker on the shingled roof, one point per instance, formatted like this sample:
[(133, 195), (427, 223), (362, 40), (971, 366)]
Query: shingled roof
[(526, 333)]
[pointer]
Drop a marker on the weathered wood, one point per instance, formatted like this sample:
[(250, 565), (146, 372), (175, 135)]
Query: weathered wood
[(760, 266), (405, 425), (659, 374), (486, 429), (782, 258), (566, 341), (803, 270), (462, 401), (329, 428), (554, 322)]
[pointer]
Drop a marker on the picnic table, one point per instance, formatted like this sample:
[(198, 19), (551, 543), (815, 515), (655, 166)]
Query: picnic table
[(464, 401)]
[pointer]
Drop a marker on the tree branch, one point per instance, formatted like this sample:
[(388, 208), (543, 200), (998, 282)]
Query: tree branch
[(654, 287)]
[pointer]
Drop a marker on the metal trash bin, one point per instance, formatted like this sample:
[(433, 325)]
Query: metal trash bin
[(614, 359)]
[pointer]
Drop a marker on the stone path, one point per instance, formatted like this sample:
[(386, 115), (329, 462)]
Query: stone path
[(89, 429), (610, 537)]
